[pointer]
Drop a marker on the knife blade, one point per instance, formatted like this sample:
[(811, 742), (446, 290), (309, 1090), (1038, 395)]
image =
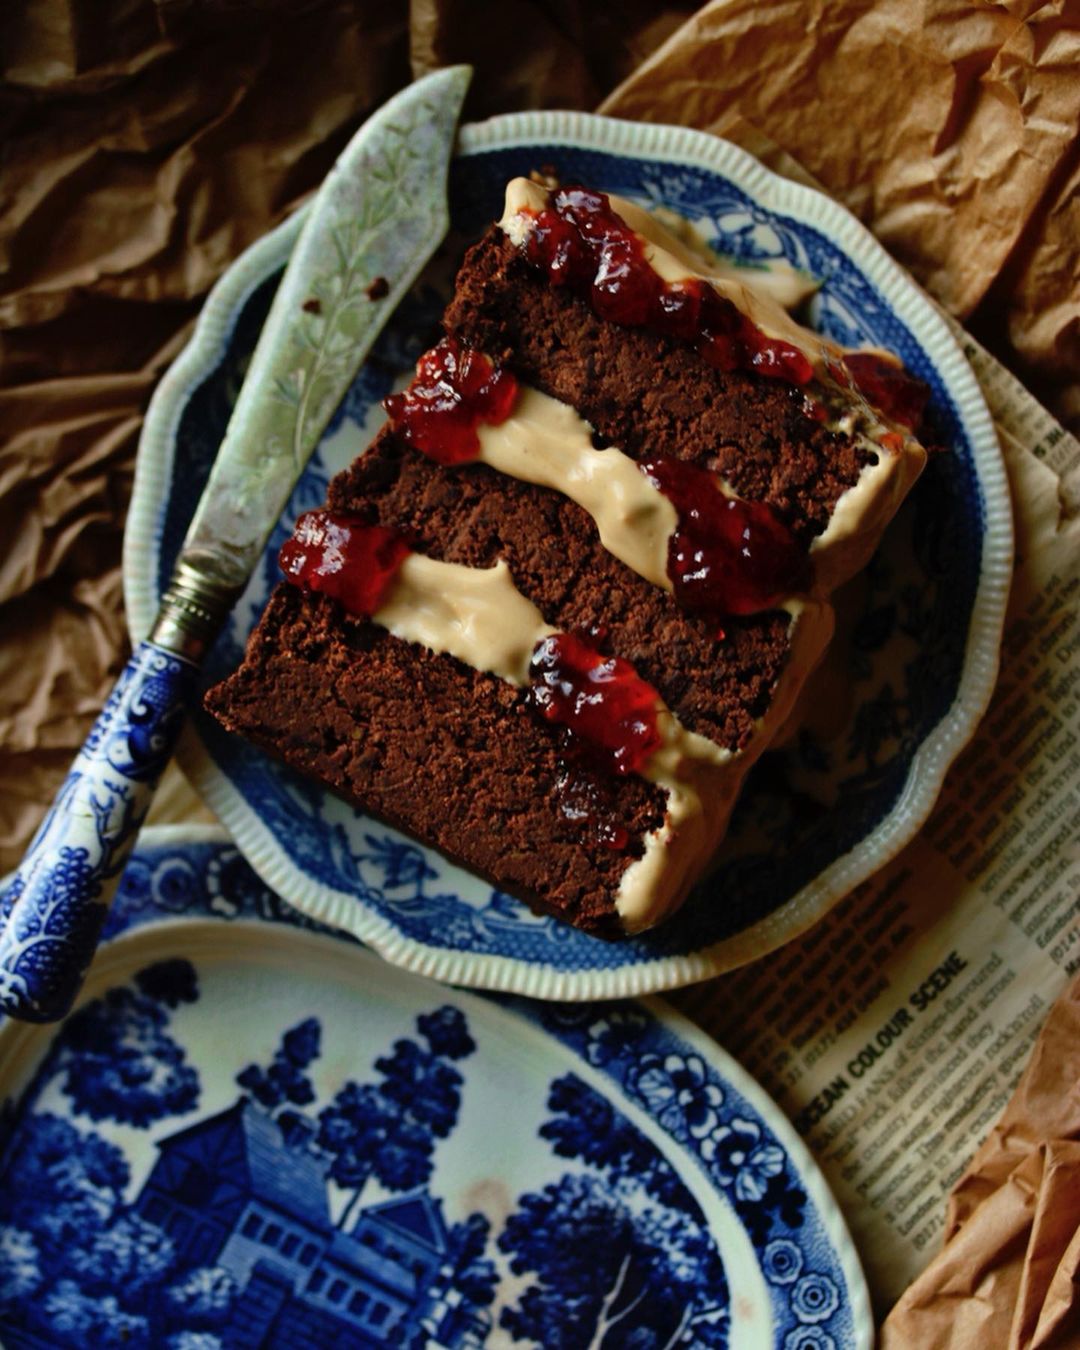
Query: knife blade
[(374, 223)]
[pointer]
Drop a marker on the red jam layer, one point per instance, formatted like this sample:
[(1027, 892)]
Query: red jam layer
[(455, 389), (889, 387), (342, 558), (581, 243), (726, 556), (598, 698)]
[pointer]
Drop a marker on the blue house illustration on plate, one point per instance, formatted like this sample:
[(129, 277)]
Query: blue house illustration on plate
[(235, 1191)]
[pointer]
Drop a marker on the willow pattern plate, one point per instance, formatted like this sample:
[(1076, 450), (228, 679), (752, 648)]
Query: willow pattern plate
[(366, 1159), (814, 820)]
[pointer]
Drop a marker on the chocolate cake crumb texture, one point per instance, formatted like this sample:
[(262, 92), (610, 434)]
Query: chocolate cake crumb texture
[(455, 756)]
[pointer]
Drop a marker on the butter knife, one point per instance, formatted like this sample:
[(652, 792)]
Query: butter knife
[(372, 226)]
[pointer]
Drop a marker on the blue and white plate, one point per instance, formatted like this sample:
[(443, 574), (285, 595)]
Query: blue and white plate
[(253, 1133), (921, 642)]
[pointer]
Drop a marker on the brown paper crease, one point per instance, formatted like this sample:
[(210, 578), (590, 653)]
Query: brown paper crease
[(146, 144), (139, 158), (949, 128), (1007, 1272)]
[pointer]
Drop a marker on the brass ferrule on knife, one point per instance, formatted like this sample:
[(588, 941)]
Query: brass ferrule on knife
[(192, 611)]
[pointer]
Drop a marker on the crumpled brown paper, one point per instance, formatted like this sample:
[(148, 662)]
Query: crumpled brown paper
[(146, 144), (1008, 1271), (561, 54), (950, 129), (143, 148)]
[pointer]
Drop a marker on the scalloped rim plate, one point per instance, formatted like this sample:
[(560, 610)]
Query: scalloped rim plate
[(492, 971), (146, 927)]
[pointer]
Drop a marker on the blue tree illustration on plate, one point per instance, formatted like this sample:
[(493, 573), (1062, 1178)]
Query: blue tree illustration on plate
[(20, 1266), (115, 1057), (63, 1186), (463, 1287), (620, 1254), (96, 1263), (587, 1126), (131, 1254), (201, 1300), (81, 1319), (286, 1080), (468, 1268), (202, 1293), (93, 1264), (388, 1129)]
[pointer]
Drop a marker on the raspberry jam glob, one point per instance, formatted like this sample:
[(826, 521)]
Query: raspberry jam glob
[(343, 558), (727, 555), (888, 386), (582, 244), (599, 699), (454, 390)]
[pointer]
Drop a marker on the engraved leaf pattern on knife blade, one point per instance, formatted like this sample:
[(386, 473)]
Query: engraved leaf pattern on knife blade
[(384, 213), (339, 308)]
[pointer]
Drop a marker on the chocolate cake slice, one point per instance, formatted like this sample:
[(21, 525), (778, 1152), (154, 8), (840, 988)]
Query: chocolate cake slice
[(549, 619)]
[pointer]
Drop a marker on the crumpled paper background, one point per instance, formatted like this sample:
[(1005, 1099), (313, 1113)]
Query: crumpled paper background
[(145, 145), (143, 148), (949, 128), (1008, 1273)]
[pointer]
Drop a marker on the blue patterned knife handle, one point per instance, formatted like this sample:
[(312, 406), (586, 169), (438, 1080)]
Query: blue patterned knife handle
[(52, 911), (380, 213)]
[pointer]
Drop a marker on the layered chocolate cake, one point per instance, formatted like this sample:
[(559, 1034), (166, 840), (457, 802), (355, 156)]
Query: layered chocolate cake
[(549, 619)]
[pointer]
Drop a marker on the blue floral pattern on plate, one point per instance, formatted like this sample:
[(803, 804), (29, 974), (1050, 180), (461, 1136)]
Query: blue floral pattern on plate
[(168, 1187), (909, 644)]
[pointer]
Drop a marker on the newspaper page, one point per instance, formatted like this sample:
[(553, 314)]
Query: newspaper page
[(895, 1030)]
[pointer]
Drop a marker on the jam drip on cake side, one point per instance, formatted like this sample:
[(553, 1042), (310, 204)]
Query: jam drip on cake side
[(728, 555), (885, 383), (579, 802), (582, 244), (598, 698)]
